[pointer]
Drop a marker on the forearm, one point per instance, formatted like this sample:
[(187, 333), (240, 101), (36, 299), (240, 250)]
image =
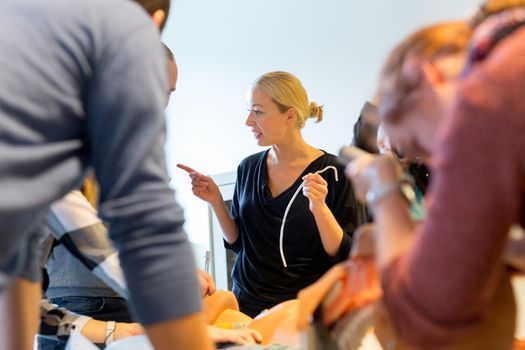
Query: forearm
[(394, 228), (379, 181), (95, 331), (230, 230), (188, 333), (126, 131), (19, 311), (329, 230), (57, 322)]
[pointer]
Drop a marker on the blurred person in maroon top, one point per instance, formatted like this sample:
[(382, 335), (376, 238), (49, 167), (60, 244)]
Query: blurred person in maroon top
[(438, 279)]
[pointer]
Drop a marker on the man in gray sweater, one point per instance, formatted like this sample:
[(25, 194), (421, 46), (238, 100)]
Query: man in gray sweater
[(83, 84)]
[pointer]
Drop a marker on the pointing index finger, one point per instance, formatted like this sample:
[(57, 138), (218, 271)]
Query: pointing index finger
[(186, 168)]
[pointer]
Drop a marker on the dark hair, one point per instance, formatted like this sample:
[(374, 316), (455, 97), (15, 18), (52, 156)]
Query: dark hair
[(154, 5), (492, 7), (365, 129), (421, 175)]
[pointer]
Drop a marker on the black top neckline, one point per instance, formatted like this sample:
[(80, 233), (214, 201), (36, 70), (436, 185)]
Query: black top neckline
[(293, 187)]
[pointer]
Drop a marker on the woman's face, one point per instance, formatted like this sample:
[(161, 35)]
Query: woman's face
[(267, 123), (415, 133)]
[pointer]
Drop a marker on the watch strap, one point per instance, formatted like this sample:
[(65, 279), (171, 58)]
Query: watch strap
[(377, 194)]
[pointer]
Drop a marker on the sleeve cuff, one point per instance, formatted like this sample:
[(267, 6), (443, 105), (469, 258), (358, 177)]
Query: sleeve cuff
[(80, 322)]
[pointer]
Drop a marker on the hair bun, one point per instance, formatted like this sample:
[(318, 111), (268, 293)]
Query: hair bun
[(316, 111)]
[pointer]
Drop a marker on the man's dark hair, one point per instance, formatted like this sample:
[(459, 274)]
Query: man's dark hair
[(365, 129), (154, 5)]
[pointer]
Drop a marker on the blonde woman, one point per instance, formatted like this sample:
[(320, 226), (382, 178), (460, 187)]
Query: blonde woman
[(293, 211)]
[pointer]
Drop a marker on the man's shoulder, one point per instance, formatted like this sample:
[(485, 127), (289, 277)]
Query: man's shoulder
[(503, 69), (106, 16)]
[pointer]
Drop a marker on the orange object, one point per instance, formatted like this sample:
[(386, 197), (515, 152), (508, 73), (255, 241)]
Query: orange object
[(359, 286), (344, 287), (519, 344)]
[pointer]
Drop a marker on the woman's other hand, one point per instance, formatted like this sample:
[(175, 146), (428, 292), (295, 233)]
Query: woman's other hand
[(202, 186), (315, 188)]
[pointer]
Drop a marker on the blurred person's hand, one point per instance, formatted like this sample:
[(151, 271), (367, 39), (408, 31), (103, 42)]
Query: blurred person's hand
[(369, 171), (242, 336), (363, 242), (206, 283)]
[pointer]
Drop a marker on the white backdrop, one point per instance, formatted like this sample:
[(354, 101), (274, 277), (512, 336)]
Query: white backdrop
[(336, 48)]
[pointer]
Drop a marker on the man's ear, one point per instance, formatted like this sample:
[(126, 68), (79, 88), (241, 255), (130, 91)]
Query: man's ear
[(158, 18)]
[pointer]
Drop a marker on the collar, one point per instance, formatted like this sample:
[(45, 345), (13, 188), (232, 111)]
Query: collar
[(492, 30)]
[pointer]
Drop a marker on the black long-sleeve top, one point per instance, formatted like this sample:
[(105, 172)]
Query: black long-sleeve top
[(260, 279)]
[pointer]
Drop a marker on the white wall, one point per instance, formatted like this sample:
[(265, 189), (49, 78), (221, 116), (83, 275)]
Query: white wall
[(335, 47)]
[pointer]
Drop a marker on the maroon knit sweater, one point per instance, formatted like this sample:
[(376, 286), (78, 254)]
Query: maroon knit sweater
[(444, 284)]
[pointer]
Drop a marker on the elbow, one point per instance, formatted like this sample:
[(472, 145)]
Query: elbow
[(483, 333), (339, 251), (421, 335), (408, 327), (419, 324), (333, 251), (232, 237)]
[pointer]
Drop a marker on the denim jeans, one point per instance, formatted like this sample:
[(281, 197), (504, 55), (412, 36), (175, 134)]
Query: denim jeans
[(100, 308)]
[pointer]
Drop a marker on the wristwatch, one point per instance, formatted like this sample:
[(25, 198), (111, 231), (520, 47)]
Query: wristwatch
[(375, 195), (110, 331)]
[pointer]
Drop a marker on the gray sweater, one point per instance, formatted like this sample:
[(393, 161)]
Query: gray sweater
[(83, 84)]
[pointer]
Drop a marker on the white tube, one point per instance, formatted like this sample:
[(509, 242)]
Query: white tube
[(281, 235)]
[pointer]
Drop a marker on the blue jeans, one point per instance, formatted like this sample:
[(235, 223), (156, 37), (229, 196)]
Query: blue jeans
[(100, 308)]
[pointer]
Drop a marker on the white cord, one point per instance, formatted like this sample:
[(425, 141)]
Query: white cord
[(281, 237)]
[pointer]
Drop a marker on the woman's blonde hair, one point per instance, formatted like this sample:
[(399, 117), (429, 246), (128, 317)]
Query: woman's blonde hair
[(398, 78), (287, 92)]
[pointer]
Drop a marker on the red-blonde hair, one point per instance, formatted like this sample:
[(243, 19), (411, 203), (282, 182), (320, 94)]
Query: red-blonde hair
[(398, 79)]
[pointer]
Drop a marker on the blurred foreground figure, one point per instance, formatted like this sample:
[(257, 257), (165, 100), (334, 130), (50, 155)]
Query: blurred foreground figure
[(83, 86), (442, 280)]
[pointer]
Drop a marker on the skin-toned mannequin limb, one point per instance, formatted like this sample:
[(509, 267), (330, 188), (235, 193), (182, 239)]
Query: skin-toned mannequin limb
[(278, 324)]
